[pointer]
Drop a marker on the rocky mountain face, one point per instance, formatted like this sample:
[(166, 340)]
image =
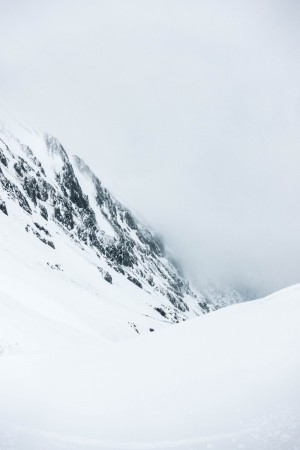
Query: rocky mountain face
[(57, 197)]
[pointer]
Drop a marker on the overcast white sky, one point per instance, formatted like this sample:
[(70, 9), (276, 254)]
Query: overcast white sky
[(187, 110)]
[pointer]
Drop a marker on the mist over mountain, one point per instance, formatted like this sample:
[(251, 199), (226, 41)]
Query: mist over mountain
[(56, 204), (187, 111)]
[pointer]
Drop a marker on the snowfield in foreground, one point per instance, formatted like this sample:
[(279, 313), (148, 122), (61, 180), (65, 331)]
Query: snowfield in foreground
[(226, 380)]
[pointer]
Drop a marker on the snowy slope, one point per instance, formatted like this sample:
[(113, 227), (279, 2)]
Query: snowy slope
[(65, 238), (83, 281), (225, 380)]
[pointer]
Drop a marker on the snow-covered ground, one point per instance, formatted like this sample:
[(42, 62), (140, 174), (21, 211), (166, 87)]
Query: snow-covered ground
[(226, 380)]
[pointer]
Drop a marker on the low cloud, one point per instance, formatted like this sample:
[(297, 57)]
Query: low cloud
[(188, 111)]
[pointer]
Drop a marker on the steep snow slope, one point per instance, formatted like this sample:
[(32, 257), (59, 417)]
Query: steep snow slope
[(65, 235), (225, 380)]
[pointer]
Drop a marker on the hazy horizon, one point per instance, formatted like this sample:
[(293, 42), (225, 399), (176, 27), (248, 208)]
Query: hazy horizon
[(187, 111)]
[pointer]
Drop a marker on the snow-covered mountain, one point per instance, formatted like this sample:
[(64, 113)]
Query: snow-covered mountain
[(60, 225), (79, 276)]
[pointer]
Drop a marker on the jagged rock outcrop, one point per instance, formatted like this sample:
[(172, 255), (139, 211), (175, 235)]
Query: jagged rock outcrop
[(52, 188)]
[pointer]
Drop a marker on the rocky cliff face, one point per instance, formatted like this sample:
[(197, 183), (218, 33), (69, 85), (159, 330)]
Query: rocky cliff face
[(58, 196)]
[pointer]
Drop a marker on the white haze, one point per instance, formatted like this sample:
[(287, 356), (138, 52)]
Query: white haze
[(187, 110)]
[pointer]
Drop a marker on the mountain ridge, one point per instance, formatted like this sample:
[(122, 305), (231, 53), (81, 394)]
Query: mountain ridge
[(57, 195)]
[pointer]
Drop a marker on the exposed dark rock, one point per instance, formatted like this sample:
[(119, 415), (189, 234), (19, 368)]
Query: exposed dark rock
[(3, 159), (130, 221), (35, 161), (63, 214), (3, 207), (204, 307), (135, 281), (161, 311), (178, 303), (41, 228), (119, 269), (21, 167), (14, 192), (44, 212), (150, 281), (28, 228), (31, 187), (107, 277), (122, 252), (153, 242), (70, 186)]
